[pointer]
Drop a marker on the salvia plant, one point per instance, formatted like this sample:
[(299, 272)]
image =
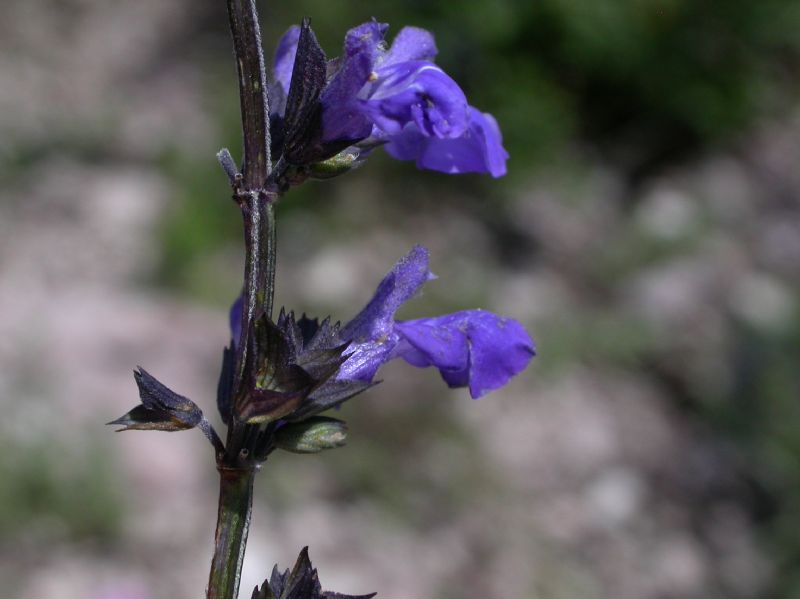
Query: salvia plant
[(316, 118)]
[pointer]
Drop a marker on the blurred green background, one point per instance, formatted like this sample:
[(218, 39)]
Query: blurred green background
[(647, 234)]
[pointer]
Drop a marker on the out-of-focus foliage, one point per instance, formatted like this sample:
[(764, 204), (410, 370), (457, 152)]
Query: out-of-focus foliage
[(74, 496), (654, 79)]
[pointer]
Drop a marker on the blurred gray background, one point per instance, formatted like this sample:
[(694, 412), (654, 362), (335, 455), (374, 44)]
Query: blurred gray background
[(648, 235)]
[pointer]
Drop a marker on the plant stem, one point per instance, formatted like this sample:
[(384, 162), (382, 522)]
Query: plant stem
[(252, 93), (260, 242), (251, 192), (259, 291), (230, 539), (256, 196)]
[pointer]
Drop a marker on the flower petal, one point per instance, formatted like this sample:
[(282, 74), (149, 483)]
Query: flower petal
[(473, 347), (342, 117), (283, 62), (479, 150), (411, 43), (365, 358), (418, 92), (367, 37), (371, 332), (397, 287)]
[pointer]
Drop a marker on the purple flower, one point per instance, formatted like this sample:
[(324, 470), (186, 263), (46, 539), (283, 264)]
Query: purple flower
[(478, 150), (471, 348), (395, 96)]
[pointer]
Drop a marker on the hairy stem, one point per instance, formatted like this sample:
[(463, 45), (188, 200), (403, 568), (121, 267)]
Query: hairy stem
[(252, 92), (251, 191), (230, 539), (259, 291), (255, 196), (259, 267)]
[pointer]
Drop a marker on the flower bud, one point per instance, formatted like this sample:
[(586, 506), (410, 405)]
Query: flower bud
[(311, 436), (343, 162)]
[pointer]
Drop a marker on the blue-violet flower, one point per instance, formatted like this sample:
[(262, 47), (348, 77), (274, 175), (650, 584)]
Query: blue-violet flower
[(471, 348), (397, 97)]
